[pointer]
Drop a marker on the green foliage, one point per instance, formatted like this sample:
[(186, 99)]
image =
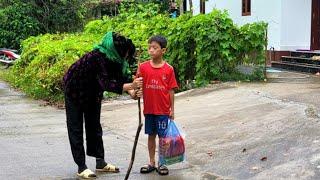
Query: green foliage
[(163, 6), (15, 24), (21, 19), (44, 60), (201, 48), (60, 16)]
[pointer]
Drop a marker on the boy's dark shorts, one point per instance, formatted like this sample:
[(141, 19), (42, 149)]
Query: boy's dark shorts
[(156, 124)]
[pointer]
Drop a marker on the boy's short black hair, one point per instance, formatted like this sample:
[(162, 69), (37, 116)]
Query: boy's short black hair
[(161, 40)]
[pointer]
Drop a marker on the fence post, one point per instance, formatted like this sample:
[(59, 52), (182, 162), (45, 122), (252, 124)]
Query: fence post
[(266, 57)]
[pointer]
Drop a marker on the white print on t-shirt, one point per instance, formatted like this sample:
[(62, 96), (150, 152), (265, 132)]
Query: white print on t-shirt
[(164, 77), (155, 85)]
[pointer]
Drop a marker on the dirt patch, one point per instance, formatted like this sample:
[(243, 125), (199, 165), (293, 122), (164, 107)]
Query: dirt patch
[(312, 112)]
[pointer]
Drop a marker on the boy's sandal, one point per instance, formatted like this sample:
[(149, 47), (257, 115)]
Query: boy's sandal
[(87, 174), (163, 170), (147, 169), (109, 168)]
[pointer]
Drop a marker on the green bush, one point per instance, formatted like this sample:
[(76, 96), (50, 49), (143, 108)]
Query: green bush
[(16, 24), (201, 48), (22, 19), (44, 60)]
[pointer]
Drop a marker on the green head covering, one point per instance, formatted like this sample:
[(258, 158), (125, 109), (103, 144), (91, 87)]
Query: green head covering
[(107, 47)]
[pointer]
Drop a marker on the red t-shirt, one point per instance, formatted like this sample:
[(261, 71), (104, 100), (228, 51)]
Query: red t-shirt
[(156, 85)]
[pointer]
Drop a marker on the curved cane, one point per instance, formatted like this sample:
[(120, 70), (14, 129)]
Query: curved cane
[(137, 135)]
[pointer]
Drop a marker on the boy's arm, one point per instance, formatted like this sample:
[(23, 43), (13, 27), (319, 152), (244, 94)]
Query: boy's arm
[(173, 86), (171, 92)]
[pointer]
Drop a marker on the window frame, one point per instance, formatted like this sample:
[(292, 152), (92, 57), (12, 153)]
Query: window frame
[(246, 7)]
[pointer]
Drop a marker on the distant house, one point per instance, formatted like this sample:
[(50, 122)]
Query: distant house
[(293, 24)]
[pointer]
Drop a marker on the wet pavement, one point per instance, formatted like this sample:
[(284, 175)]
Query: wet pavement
[(233, 131), (34, 144)]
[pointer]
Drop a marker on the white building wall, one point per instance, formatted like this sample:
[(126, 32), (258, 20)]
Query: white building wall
[(196, 6), (296, 24), (289, 21)]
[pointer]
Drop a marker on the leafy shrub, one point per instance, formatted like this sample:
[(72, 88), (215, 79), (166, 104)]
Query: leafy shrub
[(16, 24), (201, 48), (20, 19)]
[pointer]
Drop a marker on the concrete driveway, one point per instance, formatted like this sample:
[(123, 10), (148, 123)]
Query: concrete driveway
[(233, 131)]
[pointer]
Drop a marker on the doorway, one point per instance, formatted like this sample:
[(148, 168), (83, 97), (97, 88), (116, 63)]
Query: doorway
[(315, 25)]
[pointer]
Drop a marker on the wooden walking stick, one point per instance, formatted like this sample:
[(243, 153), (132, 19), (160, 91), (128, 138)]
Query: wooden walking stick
[(135, 142), (137, 134)]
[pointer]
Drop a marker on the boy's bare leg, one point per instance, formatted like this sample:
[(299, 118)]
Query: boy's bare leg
[(152, 149)]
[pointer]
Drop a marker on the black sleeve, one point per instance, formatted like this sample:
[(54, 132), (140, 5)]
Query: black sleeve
[(110, 76)]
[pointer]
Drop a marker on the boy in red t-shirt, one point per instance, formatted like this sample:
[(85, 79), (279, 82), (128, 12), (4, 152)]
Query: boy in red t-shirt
[(159, 83)]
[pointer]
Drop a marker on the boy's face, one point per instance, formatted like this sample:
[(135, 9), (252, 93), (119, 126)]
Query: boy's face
[(155, 50)]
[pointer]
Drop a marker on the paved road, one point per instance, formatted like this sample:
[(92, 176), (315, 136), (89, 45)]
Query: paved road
[(233, 131)]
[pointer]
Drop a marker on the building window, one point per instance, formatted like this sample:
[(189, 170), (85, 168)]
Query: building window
[(202, 6), (246, 7)]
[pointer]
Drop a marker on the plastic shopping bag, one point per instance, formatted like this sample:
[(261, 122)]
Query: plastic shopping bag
[(171, 145)]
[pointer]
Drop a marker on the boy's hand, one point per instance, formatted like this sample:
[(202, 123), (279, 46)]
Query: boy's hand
[(137, 83), (171, 115)]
